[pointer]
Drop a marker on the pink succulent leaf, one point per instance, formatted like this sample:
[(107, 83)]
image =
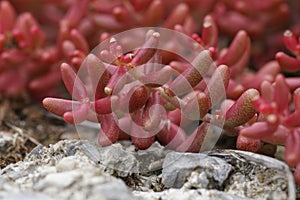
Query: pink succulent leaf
[(98, 76), (156, 7), (292, 120), (248, 144), (259, 130), (291, 42), (278, 137), (192, 76), (75, 13), (242, 63), (234, 90), (287, 62), (209, 32), (218, 84), (179, 66), (176, 117), (60, 106), (27, 32), (239, 45), (154, 114), (45, 82), (141, 138), (157, 78), (171, 135), (7, 16), (137, 98), (77, 115), (292, 146), (242, 110), (118, 79), (109, 132), (104, 105), (268, 72), (147, 51), (79, 41), (73, 84), (194, 141), (177, 16), (144, 139), (196, 105), (293, 82), (297, 174), (107, 57), (281, 95), (107, 22), (297, 99), (267, 91)]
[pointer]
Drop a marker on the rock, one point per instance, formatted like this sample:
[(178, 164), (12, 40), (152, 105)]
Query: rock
[(178, 166), (184, 194), (6, 140), (81, 170), (59, 172)]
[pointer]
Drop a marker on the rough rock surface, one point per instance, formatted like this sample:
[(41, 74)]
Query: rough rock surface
[(177, 167), (80, 170)]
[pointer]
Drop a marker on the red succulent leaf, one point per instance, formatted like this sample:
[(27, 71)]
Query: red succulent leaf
[(194, 141), (109, 132), (147, 51), (292, 148), (192, 76), (291, 42), (238, 47), (171, 135), (217, 85), (73, 84), (177, 16), (287, 62), (242, 110), (248, 144)]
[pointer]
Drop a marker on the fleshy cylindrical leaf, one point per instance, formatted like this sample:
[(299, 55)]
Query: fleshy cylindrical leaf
[(217, 85), (59, 106), (242, 110), (109, 132), (171, 135), (248, 144), (77, 115), (287, 62), (236, 49), (292, 148), (194, 142), (73, 84), (192, 76), (147, 51)]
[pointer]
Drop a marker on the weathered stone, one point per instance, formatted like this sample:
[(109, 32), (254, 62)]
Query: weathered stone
[(82, 170), (184, 194), (178, 166), (59, 172)]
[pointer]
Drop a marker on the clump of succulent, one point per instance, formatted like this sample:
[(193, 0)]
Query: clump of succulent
[(241, 78), (23, 53), (277, 122), (26, 54), (131, 97)]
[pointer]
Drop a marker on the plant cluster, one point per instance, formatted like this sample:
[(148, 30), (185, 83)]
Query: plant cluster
[(248, 49)]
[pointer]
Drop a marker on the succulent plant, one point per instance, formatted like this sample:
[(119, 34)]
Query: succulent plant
[(242, 78), (154, 107)]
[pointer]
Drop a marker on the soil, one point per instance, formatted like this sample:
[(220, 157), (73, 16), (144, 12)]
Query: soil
[(29, 124)]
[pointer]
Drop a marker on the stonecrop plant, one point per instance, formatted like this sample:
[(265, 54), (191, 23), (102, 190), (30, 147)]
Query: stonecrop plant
[(239, 71)]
